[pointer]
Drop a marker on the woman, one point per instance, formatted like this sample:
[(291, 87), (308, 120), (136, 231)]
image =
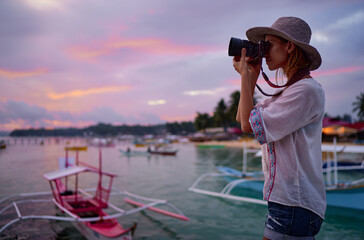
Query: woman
[(289, 127)]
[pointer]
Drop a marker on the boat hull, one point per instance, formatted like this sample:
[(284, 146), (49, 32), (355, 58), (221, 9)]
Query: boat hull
[(91, 234), (347, 198), (163, 153)]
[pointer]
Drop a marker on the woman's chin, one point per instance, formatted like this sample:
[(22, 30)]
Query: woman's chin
[(271, 68)]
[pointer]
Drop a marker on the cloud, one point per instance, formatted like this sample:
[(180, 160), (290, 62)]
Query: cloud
[(320, 37), (204, 92), (101, 114), (156, 102), (118, 60), (154, 46), (44, 4), (15, 110), (178, 118), (22, 74), (317, 73), (347, 22), (18, 114), (82, 93), (109, 115), (337, 71), (341, 31)]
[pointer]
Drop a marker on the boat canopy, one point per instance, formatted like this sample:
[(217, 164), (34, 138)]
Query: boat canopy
[(65, 172)]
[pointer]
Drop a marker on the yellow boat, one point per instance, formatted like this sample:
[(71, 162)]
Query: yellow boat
[(76, 148)]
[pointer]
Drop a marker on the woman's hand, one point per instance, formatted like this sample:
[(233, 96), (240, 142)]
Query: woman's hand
[(246, 65), (249, 74)]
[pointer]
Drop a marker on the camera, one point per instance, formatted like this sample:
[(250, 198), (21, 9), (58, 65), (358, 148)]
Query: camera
[(254, 50)]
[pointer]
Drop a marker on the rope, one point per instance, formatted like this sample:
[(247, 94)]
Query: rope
[(295, 78)]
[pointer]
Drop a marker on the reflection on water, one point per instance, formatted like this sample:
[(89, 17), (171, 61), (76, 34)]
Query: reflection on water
[(163, 177)]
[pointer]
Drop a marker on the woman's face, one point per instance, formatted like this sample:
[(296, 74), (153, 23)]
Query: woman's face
[(277, 57)]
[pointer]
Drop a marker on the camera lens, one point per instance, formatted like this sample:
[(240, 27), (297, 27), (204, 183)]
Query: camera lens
[(235, 46)]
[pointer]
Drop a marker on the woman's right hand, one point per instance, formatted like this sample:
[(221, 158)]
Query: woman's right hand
[(236, 63), (243, 65)]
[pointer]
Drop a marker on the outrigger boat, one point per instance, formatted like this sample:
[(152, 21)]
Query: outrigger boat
[(130, 153), (84, 210), (151, 151), (346, 194), (166, 151)]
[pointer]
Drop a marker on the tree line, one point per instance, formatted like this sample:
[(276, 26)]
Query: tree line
[(103, 129), (224, 115)]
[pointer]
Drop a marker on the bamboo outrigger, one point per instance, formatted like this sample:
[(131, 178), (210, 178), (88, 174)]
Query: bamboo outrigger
[(84, 209)]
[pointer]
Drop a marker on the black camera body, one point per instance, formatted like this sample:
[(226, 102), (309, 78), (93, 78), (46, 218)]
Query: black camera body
[(254, 50)]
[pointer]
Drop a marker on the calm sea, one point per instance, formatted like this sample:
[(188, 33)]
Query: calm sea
[(164, 177)]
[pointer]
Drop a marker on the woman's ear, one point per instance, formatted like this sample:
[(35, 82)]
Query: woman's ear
[(291, 46)]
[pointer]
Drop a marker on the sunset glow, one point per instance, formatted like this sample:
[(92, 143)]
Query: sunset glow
[(81, 93), (76, 63), (151, 46), (316, 74), (22, 74), (319, 73), (178, 118)]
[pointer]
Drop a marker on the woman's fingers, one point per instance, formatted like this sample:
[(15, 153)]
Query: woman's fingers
[(243, 53), (237, 58)]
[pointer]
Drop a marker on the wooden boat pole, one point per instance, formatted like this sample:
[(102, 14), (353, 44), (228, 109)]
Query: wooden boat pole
[(245, 157), (76, 188), (66, 179), (77, 156), (100, 181), (328, 169), (335, 163)]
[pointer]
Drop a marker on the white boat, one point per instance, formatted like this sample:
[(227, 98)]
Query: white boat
[(346, 194), (85, 208), (164, 150), (130, 153)]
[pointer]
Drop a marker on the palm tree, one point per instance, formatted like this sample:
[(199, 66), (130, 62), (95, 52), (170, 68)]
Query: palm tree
[(233, 108), (359, 106), (202, 121), (234, 104), (220, 115)]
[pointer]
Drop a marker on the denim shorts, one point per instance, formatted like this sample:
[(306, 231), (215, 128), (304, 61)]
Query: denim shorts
[(285, 222)]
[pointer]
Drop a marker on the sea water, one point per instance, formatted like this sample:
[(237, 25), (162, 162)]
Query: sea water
[(163, 177)]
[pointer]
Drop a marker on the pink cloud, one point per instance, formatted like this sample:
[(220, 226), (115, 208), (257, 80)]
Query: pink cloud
[(318, 73), (178, 118), (153, 46), (11, 74), (81, 93), (237, 81), (337, 71)]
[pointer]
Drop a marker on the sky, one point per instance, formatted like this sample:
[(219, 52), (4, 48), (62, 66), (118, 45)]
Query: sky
[(75, 63)]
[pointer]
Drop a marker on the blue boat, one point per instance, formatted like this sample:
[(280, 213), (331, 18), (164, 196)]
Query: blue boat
[(343, 194), (348, 194)]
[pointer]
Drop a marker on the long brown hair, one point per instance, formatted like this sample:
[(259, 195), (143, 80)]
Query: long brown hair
[(296, 61)]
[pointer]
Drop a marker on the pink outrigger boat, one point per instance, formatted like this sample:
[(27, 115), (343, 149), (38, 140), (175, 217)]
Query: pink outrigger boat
[(86, 211)]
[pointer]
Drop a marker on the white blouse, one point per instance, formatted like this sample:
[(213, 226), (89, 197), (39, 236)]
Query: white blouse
[(289, 127)]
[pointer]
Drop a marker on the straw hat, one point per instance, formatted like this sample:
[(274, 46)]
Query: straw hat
[(293, 29)]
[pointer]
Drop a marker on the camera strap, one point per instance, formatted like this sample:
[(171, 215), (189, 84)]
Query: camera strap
[(295, 78)]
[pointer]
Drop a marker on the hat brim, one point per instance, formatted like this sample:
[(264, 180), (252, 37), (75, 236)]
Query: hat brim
[(257, 34)]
